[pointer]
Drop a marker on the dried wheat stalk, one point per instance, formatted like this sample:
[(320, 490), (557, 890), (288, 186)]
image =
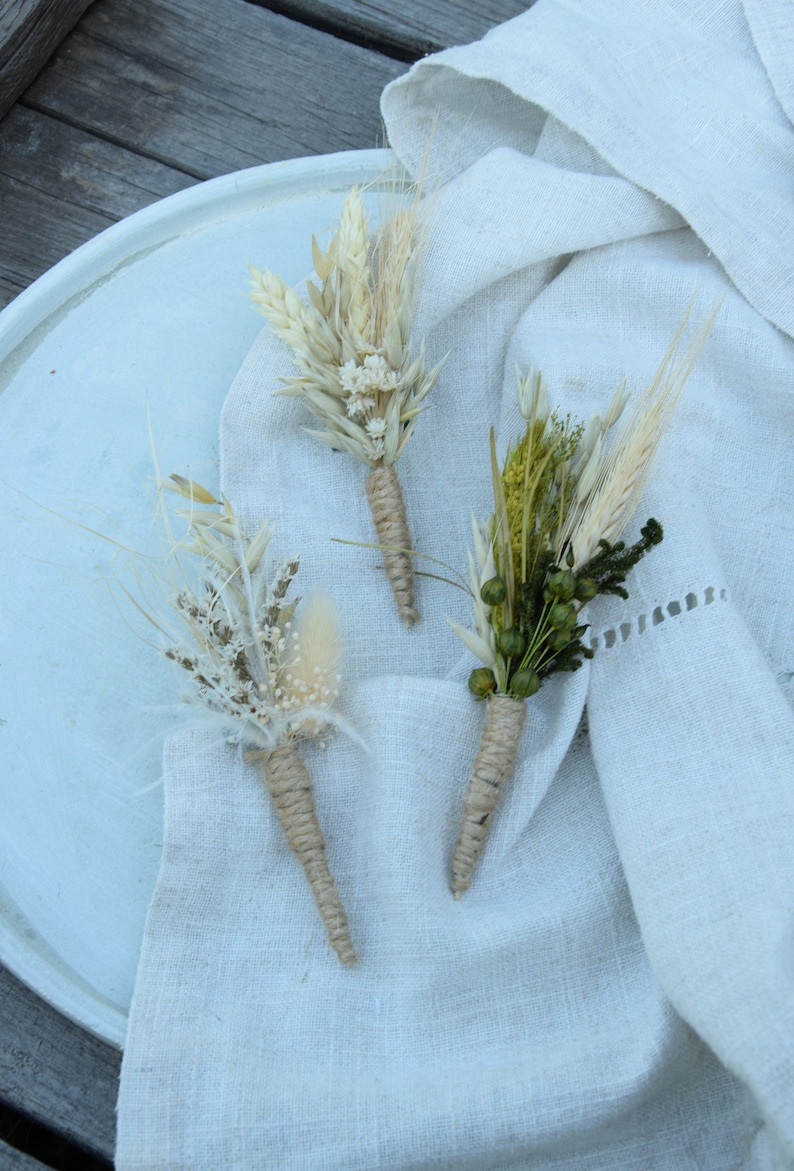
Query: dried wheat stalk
[(351, 343), (561, 500)]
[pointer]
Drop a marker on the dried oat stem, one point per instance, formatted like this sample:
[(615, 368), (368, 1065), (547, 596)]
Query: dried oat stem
[(388, 514), (290, 789), (493, 767), (270, 680), (359, 372)]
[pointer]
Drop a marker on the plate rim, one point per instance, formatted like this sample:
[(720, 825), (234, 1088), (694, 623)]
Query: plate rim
[(24, 324)]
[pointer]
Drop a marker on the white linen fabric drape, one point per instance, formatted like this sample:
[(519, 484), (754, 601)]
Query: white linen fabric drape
[(616, 990)]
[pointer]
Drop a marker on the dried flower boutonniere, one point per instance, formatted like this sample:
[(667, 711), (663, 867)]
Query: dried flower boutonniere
[(268, 680), (358, 375), (561, 500)]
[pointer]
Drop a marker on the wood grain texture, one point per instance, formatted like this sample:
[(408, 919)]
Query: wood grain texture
[(36, 232), (29, 32), (58, 187), (407, 30), (212, 86), (13, 1160), (54, 1072), (144, 98)]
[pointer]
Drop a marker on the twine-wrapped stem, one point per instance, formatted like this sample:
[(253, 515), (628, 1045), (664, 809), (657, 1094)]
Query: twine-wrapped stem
[(493, 767), (388, 514), (290, 789)]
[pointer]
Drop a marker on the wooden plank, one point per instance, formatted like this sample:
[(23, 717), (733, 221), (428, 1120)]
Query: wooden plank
[(212, 86), (36, 232), (59, 186), (13, 1160), (54, 1072), (144, 98), (406, 30), (29, 32), (81, 169)]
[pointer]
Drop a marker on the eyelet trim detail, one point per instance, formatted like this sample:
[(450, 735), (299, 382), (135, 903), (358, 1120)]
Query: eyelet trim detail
[(674, 609)]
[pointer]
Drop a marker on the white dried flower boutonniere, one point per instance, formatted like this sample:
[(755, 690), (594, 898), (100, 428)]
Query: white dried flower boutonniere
[(270, 680), (358, 374), (561, 501)]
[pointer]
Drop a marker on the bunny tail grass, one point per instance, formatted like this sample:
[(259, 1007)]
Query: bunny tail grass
[(388, 514), (290, 790), (493, 767)]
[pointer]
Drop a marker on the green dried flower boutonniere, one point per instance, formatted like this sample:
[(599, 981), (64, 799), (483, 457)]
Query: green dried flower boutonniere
[(561, 501), (357, 373)]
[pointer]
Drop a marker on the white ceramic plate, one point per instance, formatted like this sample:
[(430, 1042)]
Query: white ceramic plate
[(148, 320)]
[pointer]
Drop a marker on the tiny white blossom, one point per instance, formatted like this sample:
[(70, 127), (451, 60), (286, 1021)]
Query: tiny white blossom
[(359, 404), (376, 428), (351, 378), (374, 373), (379, 374)]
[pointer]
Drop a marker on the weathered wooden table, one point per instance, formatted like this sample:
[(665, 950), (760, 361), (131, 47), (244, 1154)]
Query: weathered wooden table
[(141, 99)]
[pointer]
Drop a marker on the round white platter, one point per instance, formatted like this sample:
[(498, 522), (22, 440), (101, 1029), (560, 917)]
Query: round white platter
[(129, 343)]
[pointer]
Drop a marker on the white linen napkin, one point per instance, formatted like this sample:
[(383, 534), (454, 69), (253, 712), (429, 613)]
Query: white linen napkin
[(616, 990)]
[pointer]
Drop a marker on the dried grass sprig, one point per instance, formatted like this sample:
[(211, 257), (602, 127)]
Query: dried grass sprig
[(271, 678), (562, 497), (352, 346)]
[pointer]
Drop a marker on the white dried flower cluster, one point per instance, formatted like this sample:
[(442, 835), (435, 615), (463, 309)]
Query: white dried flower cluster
[(268, 678), (309, 682), (365, 386), (321, 688), (351, 342)]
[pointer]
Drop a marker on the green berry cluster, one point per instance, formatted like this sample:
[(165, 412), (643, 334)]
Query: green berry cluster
[(546, 635), (609, 567)]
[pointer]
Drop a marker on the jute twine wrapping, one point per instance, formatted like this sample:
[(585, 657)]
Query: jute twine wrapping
[(388, 513), (493, 766), (290, 790)]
